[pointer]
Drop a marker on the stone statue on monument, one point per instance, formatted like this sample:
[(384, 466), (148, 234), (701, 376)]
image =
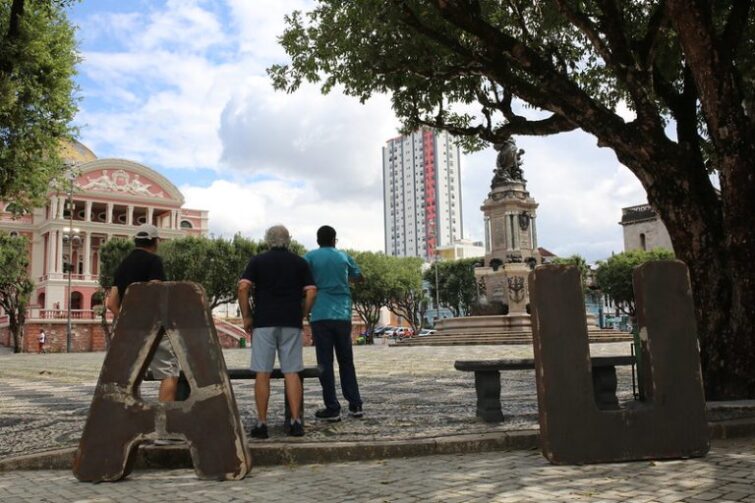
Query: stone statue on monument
[(508, 164)]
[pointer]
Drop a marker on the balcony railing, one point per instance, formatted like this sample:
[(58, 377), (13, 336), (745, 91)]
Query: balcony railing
[(60, 276), (36, 313)]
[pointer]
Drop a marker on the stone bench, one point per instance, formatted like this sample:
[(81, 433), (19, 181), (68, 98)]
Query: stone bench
[(182, 393), (488, 381)]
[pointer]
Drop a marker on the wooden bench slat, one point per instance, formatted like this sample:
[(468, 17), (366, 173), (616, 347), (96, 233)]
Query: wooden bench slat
[(244, 373), (529, 363)]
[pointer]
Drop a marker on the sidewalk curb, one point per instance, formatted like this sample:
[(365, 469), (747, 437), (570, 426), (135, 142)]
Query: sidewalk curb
[(301, 453)]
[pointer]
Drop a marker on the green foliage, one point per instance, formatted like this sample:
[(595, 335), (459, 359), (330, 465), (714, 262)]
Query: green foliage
[(580, 262), (112, 254), (371, 294), (37, 64), (457, 286), (217, 264), (404, 280), (15, 285), (392, 282), (614, 275)]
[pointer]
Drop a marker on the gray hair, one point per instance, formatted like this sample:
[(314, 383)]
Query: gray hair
[(277, 236)]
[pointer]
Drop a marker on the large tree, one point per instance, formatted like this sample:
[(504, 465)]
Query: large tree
[(15, 285), (457, 286), (37, 104), (406, 297), (685, 67), (112, 254), (215, 263), (614, 275), (372, 294)]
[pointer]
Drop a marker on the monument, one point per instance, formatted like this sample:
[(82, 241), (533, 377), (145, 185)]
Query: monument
[(502, 313), (510, 252)]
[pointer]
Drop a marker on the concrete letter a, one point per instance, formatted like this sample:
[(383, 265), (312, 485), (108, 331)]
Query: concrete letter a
[(119, 419)]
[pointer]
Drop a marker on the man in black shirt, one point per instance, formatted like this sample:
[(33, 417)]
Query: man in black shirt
[(143, 265), (279, 281)]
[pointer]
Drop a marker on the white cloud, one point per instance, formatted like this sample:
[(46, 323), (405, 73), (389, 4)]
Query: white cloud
[(182, 85), (579, 187), (332, 141), (250, 208)]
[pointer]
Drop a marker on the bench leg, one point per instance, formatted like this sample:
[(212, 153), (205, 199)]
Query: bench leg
[(287, 418), (604, 386), (488, 387)]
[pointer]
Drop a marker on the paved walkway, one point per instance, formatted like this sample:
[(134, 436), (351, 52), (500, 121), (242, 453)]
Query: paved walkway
[(727, 474), (409, 393)]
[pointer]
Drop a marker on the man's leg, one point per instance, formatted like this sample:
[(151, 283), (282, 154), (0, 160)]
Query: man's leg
[(164, 366), (293, 394), (324, 351), (292, 362), (262, 395), (263, 358), (345, 356), (168, 387)]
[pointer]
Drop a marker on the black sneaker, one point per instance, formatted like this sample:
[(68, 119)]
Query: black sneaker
[(296, 429), (328, 415), (356, 411), (260, 431)]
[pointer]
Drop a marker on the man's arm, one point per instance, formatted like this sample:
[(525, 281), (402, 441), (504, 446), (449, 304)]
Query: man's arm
[(355, 273), (113, 301), (244, 290), (310, 292)]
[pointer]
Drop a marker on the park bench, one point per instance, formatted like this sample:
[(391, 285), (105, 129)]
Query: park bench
[(245, 374), (488, 381)]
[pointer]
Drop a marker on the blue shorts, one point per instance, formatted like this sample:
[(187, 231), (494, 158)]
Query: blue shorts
[(287, 341)]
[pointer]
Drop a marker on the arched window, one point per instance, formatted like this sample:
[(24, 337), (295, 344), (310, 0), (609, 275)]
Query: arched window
[(15, 209), (76, 300), (185, 224)]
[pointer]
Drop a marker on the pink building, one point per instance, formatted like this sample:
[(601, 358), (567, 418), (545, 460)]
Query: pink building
[(110, 198)]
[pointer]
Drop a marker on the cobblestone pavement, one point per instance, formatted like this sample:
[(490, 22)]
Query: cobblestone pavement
[(409, 392), (727, 474)]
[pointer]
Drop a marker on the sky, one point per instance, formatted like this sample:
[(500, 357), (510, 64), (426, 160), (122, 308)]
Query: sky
[(180, 86)]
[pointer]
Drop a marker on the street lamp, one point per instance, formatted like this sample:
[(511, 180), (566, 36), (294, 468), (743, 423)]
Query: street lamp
[(71, 235)]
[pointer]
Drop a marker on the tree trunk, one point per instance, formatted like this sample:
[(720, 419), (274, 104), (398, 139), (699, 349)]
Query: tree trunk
[(15, 330), (720, 257)]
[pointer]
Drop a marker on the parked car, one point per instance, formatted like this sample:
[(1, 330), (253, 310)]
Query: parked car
[(381, 331), (425, 331), (393, 331), (403, 332)]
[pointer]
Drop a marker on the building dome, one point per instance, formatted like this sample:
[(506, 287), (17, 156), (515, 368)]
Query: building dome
[(75, 151)]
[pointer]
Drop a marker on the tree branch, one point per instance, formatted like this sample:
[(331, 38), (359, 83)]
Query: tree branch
[(735, 28), (658, 19)]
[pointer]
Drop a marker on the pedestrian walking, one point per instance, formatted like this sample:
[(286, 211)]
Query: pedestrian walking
[(332, 271), (281, 286), (41, 339)]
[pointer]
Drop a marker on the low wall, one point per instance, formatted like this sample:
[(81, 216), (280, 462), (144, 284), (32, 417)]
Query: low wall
[(89, 336)]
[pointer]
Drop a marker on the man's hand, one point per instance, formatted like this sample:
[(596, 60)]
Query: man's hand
[(248, 325)]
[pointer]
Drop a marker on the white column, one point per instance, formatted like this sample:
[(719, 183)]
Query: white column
[(87, 254), (61, 207), (534, 234), (53, 208), (174, 219), (59, 263), (51, 240), (88, 210), (109, 213), (507, 231), (130, 215), (150, 214)]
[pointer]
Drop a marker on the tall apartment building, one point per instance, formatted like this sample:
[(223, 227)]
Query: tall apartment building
[(421, 193)]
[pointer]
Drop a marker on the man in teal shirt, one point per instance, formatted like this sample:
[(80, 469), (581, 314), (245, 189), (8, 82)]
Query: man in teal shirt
[(330, 320)]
